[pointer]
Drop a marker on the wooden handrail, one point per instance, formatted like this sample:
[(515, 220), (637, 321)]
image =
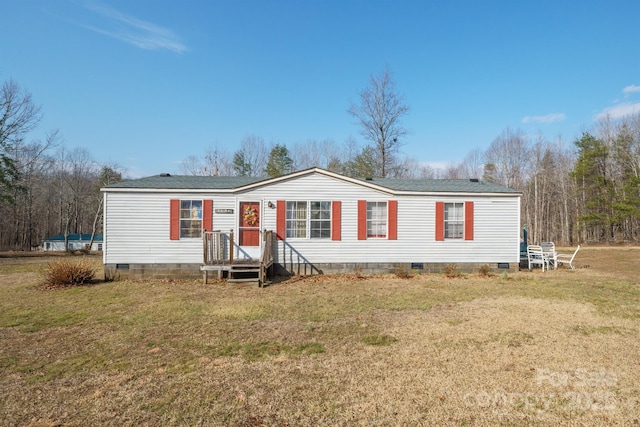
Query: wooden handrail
[(231, 247), (217, 247), (266, 260)]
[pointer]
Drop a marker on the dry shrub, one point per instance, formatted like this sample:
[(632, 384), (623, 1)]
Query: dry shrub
[(451, 271), (403, 272), (485, 270), (357, 271), (68, 272)]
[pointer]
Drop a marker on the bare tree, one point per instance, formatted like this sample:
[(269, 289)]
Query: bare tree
[(109, 174), (566, 188), (192, 165), (18, 116), (405, 168), (251, 158), (473, 164), (427, 172), (313, 153), (379, 113), (508, 157), (34, 164), (77, 172), (453, 171), (216, 162)]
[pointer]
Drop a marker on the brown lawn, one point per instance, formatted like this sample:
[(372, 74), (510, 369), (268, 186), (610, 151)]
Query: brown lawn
[(527, 348)]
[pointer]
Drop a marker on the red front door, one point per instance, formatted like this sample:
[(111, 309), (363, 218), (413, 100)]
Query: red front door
[(249, 226)]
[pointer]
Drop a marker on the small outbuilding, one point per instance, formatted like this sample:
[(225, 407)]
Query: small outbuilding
[(76, 242), (309, 222)]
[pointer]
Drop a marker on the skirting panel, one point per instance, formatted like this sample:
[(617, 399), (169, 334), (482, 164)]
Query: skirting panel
[(192, 271)]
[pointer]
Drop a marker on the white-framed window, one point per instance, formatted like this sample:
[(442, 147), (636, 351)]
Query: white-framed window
[(454, 220), (377, 220), (296, 219), (308, 219), (190, 218), (319, 220)]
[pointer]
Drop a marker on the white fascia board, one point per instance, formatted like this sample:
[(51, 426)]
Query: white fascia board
[(169, 190)]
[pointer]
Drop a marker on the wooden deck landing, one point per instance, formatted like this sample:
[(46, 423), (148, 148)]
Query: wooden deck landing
[(218, 258)]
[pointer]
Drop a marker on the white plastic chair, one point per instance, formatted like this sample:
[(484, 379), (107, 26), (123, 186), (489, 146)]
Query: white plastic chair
[(568, 258), (549, 251), (536, 256)]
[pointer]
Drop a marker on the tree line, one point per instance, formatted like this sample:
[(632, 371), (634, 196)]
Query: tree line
[(45, 189), (587, 192)]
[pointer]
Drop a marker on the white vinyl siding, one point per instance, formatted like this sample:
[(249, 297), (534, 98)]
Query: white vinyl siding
[(137, 226)]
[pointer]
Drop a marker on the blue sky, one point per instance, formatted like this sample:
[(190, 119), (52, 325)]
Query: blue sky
[(147, 83)]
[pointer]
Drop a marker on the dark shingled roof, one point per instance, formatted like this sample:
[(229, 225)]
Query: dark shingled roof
[(440, 185), (189, 182)]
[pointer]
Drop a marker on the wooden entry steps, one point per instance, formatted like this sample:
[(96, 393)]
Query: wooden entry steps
[(245, 272), (218, 256)]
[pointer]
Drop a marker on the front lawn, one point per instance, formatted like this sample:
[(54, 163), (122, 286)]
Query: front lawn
[(526, 348)]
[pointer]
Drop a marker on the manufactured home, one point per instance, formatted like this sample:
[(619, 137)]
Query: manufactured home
[(308, 222), (75, 242)]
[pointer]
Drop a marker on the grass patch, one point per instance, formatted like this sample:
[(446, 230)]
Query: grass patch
[(32, 321), (181, 353), (514, 338), (255, 351), (454, 322), (603, 329), (379, 340)]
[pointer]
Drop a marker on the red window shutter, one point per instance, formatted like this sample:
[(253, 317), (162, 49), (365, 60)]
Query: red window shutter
[(393, 219), (362, 220), (336, 220), (468, 220), (281, 212), (174, 219), (207, 215), (439, 220)]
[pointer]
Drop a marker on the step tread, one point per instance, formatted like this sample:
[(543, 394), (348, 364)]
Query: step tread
[(253, 279)]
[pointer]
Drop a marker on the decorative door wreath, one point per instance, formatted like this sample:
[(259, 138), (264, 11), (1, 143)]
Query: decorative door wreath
[(250, 216)]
